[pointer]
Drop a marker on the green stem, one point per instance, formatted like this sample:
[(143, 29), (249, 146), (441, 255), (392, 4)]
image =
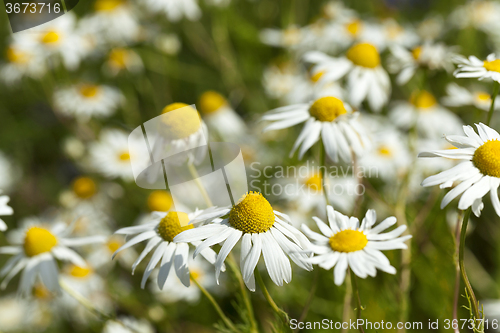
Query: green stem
[(246, 296), (216, 306), (468, 286), (358, 299), (269, 299), (199, 184), (496, 88), (346, 313)]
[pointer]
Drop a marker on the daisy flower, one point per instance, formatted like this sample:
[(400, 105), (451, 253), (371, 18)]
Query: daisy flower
[(279, 79), (121, 59), (21, 61), (345, 243), (289, 38), (366, 79), (84, 101), (482, 15), (56, 38), (114, 21), (160, 233), (404, 62), (475, 68), (37, 254), (219, 115), (307, 87), (111, 155), (458, 96), (260, 229), (422, 110), (175, 9), (328, 118), (5, 210), (478, 174)]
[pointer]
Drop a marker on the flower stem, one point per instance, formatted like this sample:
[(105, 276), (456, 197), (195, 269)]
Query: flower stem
[(199, 184), (307, 305), (358, 299), (269, 299), (496, 88), (468, 287), (246, 297), (347, 303), (216, 306), (457, 273)]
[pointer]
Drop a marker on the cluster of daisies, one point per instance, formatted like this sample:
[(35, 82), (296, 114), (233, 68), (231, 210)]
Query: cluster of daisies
[(358, 89)]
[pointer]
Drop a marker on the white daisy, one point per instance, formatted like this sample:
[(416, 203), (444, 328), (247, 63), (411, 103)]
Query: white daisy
[(458, 96), (434, 56), (221, 117), (475, 68), (261, 229), (174, 291), (482, 15), (366, 79), (175, 9), (114, 21), (422, 110), (328, 118), (288, 38), (56, 38), (100, 254), (37, 254), (306, 87), (21, 315), (84, 101), (431, 28), (5, 210), (111, 155), (160, 233), (478, 175), (278, 80), (21, 61), (122, 59), (345, 243)]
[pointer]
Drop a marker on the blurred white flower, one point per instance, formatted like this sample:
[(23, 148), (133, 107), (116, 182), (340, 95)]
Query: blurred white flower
[(128, 325), (422, 110), (175, 9), (459, 96), (366, 79), (5, 210), (84, 101)]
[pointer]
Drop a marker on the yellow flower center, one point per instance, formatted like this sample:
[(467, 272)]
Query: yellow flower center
[(107, 5), (291, 36), (38, 240), (79, 272), (364, 55), (160, 201), (89, 90), (113, 245), (487, 158), (348, 241), (181, 124), (195, 273), (253, 214), (422, 99), (354, 27), (327, 109), (50, 37), (315, 78), (211, 101), (416, 52), (118, 58), (17, 56), (125, 156), (315, 182), (385, 151), (483, 96), (493, 66), (84, 187), (41, 292), (173, 224)]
